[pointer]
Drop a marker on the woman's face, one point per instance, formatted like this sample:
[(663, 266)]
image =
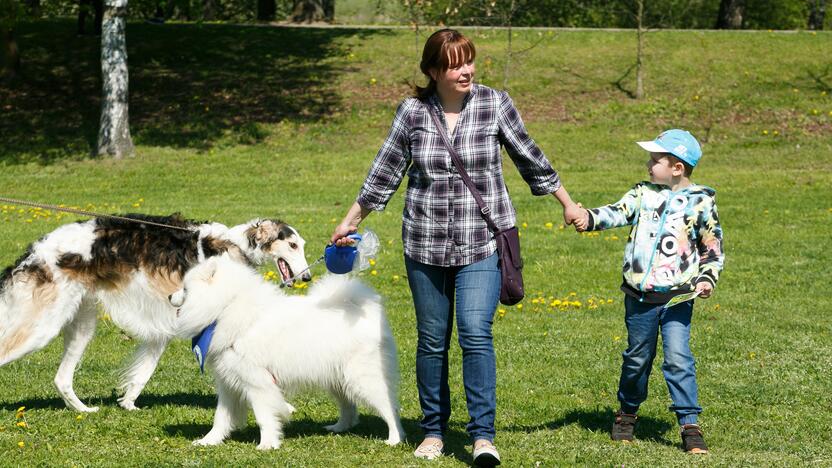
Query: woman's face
[(455, 81)]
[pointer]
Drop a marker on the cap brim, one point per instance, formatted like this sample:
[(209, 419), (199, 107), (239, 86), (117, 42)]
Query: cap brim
[(651, 146)]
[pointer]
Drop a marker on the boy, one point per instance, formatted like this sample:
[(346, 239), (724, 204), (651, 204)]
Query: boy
[(674, 248)]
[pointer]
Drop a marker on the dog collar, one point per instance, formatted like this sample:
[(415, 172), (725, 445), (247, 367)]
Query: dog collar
[(200, 344)]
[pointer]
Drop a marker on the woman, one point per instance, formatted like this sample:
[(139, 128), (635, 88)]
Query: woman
[(449, 252)]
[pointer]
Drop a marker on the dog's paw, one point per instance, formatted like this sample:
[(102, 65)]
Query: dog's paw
[(290, 408), (89, 409), (129, 405), (269, 445), (205, 441), (393, 440), (337, 428)]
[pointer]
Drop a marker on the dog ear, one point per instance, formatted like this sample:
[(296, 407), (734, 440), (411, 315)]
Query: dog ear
[(266, 232), (210, 269)]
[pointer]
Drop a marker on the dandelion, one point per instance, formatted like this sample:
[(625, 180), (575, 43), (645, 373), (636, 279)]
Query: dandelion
[(519, 306), (616, 338), (525, 225), (395, 277), (609, 301), (765, 132), (372, 262), (372, 81), (815, 112), (716, 307), (696, 98), (136, 205), (752, 355), (374, 272), (79, 417), (775, 133), (21, 444), (549, 225), (22, 424)]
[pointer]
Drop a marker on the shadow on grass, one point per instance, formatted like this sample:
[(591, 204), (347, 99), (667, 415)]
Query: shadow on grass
[(144, 401), (600, 420), (191, 86)]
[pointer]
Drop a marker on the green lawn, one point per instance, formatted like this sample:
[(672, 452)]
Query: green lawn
[(232, 123)]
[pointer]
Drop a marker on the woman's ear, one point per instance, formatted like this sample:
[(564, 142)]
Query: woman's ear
[(434, 74)]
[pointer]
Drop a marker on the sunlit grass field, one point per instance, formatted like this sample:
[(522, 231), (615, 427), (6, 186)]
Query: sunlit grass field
[(234, 122)]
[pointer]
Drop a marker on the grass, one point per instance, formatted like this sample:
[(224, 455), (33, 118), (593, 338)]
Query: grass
[(236, 122)]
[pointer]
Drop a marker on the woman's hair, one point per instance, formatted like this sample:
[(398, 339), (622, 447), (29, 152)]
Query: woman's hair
[(444, 49)]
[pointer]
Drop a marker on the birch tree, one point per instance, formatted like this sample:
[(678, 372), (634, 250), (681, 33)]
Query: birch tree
[(114, 130)]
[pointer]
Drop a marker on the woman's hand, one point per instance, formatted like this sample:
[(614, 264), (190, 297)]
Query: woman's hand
[(354, 216), (573, 212)]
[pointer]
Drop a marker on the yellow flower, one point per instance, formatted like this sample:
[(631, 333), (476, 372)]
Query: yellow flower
[(765, 132), (752, 355), (815, 112), (395, 277), (696, 98), (616, 338), (609, 301), (79, 417), (21, 444), (372, 81), (519, 306), (525, 225), (372, 262), (21, 424), (373, 272), (549, 225), (136, 205)]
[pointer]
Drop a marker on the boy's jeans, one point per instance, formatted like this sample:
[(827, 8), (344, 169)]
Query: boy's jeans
[(477, 288), (643, 324)]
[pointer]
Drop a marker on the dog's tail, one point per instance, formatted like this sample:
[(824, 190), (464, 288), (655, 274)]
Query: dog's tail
[(338, 291)]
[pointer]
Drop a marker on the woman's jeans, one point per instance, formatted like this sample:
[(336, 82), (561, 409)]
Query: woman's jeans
[(477, 290), (644, 321)]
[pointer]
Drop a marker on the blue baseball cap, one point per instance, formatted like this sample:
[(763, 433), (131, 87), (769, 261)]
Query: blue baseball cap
[(679, 143)]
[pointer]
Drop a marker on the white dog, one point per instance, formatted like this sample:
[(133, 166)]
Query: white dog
[(130, 268), (267, 344)]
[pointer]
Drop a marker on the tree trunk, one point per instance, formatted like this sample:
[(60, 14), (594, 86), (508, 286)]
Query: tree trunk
[(308, 11), (209, 10), (33, 8), (114, 130), (266, 10), (640, 51), (730, 14), (84, 11), (817, 14), (12, 54)]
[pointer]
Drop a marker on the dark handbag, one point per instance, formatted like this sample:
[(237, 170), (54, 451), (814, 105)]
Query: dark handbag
[(508, 240)]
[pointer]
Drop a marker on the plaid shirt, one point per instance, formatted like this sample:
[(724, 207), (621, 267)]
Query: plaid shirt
[(442, 224)]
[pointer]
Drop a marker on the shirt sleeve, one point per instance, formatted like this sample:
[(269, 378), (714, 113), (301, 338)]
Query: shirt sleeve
[(389, 165), (621, 213), (709, 245), (524, 152)]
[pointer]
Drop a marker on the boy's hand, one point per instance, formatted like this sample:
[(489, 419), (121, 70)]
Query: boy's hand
[(572, 212), (705, 289), (581, 222)]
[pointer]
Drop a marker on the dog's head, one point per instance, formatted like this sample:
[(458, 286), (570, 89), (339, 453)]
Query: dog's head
[(273, 239)]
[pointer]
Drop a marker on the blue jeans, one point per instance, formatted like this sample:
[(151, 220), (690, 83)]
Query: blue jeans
[(477, 290), (644, 321)]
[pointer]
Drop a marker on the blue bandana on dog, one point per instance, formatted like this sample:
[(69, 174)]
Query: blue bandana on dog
[(200, 344)]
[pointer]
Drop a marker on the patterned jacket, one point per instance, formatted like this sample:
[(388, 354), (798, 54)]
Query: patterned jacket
[(675, 240)]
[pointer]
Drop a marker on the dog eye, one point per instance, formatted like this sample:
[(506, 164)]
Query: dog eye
[(293, 245)]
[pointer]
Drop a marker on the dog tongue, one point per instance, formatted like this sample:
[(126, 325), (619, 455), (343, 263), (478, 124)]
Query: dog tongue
[(284, 269)]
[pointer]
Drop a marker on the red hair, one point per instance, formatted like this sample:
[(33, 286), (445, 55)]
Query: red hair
[(444, 49)]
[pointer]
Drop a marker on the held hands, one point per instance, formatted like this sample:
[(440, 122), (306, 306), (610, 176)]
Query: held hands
[(705, 289), (576, 214)]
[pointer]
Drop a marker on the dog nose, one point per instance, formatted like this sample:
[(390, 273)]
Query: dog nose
[(307, 276), (170, 297)]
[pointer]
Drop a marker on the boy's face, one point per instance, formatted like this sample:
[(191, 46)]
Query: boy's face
[(662, 168)]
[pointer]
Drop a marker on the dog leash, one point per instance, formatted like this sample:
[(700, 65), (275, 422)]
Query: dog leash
[(284, 283), (90, 213)]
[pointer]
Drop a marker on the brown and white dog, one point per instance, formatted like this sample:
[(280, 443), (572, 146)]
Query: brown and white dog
[(130, 269)]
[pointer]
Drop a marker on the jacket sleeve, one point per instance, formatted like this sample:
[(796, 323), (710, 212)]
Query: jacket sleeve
[(621, 213), (389, 165), (709, 245), (523, 151)]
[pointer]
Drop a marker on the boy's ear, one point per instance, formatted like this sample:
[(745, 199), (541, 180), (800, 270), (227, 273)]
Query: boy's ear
[(678, 167)]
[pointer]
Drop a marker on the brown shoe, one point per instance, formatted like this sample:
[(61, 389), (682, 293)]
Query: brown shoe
[(692, 440), (624, 426)]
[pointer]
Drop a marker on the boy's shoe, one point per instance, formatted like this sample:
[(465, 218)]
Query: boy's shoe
[(429, 449), (692, 440), (485, 453), (624, 426)]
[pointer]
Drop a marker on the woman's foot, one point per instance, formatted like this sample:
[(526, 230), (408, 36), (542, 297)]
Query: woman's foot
[(430, 448), (485, 453)]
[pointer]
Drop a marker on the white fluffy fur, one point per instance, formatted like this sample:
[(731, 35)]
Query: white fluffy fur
[(267, 344), (138, 307)]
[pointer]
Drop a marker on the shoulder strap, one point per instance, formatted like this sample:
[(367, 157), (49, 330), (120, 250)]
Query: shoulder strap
[(484, 209)]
